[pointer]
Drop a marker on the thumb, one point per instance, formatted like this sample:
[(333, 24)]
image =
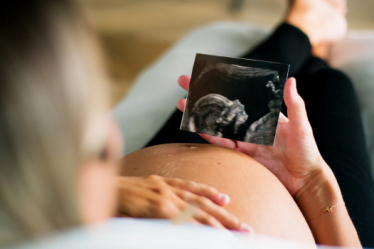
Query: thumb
[(296, 112)]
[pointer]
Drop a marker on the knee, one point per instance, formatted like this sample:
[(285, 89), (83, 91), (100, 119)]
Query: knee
[(335, 79)]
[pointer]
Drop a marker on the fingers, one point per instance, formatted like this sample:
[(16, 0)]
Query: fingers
[(244, 147), (224, 142), (190, 213), (181, 104), (156, 197), (206, 219), (200, 189), (282, 118), (219, 214), (184, 81), (296, 112)]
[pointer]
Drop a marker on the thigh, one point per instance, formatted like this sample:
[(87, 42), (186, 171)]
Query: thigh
[(257, 196)]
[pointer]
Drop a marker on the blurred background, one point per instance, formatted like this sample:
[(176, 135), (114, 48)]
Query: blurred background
[(135, 33)]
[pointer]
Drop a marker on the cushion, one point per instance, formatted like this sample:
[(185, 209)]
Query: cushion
[(148, 233)]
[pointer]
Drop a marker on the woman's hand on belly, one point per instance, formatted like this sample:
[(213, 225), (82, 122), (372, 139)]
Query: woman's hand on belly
[(295, 158), (169, 198)]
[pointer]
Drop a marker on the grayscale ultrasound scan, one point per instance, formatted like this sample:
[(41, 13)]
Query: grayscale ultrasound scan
[(234, 98)]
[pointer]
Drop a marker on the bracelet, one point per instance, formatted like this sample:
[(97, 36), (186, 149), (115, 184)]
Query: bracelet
[(328, 210)]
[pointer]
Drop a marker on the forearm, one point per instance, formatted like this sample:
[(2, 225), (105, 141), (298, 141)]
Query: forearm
[(329, 228)]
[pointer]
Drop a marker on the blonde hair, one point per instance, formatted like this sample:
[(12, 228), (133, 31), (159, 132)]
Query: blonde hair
[(52, 102)]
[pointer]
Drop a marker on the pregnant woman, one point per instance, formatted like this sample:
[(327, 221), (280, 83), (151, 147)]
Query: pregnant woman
[(58, 146), (316, 180)]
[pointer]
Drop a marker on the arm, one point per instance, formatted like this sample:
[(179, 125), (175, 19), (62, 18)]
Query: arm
[(333, 228)]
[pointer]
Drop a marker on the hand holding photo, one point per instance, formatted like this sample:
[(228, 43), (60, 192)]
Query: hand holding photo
[(235, 98)]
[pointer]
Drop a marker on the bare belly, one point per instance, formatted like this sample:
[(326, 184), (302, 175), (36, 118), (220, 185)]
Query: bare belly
[(257, 196)]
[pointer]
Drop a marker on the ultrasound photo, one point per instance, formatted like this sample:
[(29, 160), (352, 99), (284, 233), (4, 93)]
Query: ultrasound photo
[(235, 98)]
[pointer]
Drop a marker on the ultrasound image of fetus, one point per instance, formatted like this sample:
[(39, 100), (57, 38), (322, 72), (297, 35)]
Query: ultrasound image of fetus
[(262, 131), (233, 98), (216, 115)]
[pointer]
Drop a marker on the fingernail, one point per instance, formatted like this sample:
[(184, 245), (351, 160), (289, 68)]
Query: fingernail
[(246, 228), (224, 198)]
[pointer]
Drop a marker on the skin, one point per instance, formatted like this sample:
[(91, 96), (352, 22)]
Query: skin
[(103, 193), (295, 160), (153, 196), (257, 196), (97, 193)]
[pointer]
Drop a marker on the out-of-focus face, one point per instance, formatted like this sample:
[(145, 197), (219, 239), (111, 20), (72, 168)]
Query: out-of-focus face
[(97, 186)]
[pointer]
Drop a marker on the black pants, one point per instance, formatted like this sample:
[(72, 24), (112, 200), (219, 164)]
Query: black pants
[(334, 115)]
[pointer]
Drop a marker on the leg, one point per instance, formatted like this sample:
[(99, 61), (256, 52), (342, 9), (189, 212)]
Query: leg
[(287, 45)]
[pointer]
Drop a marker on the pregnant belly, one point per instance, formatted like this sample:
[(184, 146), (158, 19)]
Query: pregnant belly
[(257, 196)]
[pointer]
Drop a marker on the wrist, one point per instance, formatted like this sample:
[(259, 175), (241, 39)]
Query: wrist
[(319, 192), (322, 205)]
